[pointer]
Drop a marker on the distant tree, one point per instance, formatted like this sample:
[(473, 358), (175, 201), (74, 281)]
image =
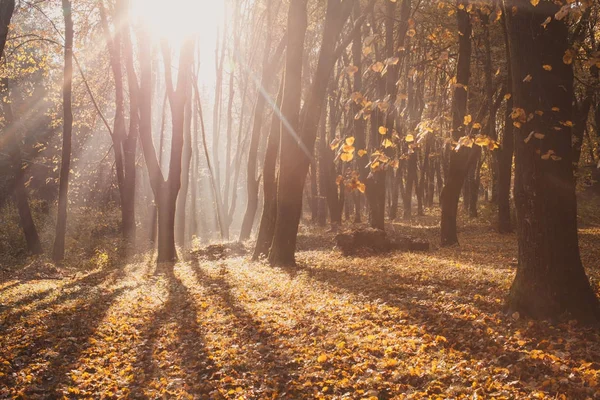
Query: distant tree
[(550, 276), (58, 253)]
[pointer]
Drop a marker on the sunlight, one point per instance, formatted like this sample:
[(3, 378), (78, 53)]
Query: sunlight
[(178, 19)]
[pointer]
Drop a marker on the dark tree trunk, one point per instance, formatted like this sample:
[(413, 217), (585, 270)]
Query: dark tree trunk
[(550, 276), (269, 215), (58, 253), (296, 152), (7, 8), (505, 156), (459, 160), (11, 130), (358, 124)]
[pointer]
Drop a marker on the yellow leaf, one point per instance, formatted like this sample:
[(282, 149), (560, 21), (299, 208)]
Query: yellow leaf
[(361, 153), (476, 125), (528, 78), (409, 138), (568, 56), (538, 135), (335, 143), (467, 119), (347, 157), (378, 66), (534, 2), (555, 109), (351, 70), (507, 96), (547, 67), (382, 130), (411, 33), (322, 358), (350, 140), (567, 123), (348, 149), (546, 22), (339, 179), (361, 187), (387, 143)]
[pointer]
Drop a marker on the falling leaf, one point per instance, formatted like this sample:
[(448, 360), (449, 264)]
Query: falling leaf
[(476, 125), (351, 70), (350, 140), (383, 130), (546, 22), (387, 143), (534, 2), (335, 143), (361, 153), (507, 96), (409, 138), (347, 157), (467, 119), (528, 78), (547, 67)]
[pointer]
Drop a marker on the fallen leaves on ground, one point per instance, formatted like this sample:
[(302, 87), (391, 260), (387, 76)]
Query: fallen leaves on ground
[(402, 325)]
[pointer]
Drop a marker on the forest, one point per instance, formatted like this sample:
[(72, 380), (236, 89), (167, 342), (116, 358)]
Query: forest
[(300, 199)]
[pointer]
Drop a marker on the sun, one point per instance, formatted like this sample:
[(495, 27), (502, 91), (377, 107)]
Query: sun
[(174, 20)]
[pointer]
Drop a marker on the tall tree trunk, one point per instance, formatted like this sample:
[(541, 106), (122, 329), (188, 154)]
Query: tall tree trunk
[(289, 187), (459, 160), (58, 253), (181, 217), (269, 215), (11, 131), (505, 157), (252, 183), (296, 153), (550, 277)]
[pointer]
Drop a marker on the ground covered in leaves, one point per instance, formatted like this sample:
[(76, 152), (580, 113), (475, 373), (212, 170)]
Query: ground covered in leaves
[(400, 325)]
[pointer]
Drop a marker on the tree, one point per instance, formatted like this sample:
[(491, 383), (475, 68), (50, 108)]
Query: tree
[(7, 8), (550, 276), (58, 253), (11, 130), (296, 144), (165, 190), (459, 160)]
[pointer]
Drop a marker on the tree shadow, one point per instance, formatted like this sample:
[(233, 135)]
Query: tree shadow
[(63, 339), (473, 336), (276, 365), (195, 362)]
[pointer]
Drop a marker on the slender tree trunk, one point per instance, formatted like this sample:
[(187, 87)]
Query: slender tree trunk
[(459, 160), (550, 276), (181, 217), (252, 183), (11, 131), (58, 253)]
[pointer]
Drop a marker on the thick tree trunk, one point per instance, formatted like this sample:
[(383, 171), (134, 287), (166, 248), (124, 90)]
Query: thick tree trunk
[(166, 229), (58, 253), (459, 160), (7, 8), (296, 151), (550, 277), (269, 215), (180, 232), (292, 173)]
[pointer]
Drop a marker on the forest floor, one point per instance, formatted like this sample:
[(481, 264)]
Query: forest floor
[(399, 325)]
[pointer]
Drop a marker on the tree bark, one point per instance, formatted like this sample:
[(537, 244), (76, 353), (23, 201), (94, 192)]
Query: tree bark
[(58, 253), (269, 215), (7, 9), (11, 131), (459, 160), (550, 276)]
